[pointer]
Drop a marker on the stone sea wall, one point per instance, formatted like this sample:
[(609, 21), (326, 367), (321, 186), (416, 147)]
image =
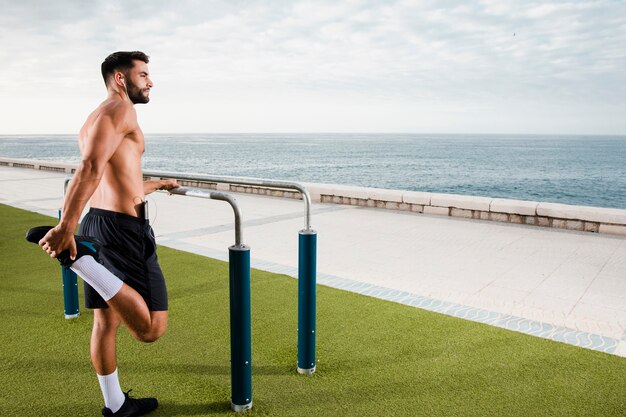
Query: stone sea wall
[(533, 213)]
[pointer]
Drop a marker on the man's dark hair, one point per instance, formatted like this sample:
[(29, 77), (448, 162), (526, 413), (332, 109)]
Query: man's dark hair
[(121, 61)]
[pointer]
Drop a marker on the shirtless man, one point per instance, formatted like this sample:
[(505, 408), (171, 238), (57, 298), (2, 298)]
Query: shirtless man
[(127, 285)]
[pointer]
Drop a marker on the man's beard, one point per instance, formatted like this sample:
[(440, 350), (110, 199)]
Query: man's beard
[(136, 94)]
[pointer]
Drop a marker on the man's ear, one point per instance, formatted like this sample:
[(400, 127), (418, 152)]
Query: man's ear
[(120, 79)]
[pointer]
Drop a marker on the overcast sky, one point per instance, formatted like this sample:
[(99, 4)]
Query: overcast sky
[(322, 66)]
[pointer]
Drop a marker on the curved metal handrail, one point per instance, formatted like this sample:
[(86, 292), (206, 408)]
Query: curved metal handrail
[(216, 195), (260, 182)]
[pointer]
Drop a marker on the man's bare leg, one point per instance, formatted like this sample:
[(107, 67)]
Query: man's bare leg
[(103, 348), (103, 337), (104, 356), (145, 325), (131, 308)]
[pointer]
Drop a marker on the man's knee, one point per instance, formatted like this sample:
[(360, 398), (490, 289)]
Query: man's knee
[(150, 336), (147, 337), (157, 328)]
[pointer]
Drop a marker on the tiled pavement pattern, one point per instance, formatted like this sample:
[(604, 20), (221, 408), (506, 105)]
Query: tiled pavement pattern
[(561, 285)]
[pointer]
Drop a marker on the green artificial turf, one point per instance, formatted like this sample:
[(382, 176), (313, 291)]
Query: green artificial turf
[(375, 358)]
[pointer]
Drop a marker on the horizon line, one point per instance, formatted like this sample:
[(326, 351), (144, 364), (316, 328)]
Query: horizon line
[(342, 133)]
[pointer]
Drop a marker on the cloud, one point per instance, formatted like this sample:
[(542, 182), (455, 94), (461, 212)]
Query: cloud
[(410, 54)]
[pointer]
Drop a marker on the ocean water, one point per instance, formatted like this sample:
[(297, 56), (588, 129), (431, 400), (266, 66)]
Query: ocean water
[(581, 170)]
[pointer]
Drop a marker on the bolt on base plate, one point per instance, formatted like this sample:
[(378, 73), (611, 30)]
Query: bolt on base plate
[(240, 408), (308, 371)]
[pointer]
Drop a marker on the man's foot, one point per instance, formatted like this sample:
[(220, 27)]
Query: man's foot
[(85, 245), (133, 407)]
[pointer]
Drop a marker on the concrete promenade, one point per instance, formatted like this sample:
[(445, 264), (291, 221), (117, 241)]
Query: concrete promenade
[(563, 285)]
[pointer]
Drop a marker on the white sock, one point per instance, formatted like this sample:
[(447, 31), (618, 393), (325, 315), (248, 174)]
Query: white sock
[(96, 275), (111, 391)]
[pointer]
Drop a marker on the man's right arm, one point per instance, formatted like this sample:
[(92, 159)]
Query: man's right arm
[(103, 139)]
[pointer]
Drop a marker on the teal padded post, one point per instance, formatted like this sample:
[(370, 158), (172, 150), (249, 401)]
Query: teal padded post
[(240, 328), (70, 291), (307, 256)]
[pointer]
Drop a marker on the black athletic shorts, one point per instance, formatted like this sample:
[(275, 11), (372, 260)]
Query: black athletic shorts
[(129, 252)]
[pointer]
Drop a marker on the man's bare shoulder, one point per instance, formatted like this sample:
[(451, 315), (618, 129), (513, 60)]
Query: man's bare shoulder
[(120, 113), (116, 109)]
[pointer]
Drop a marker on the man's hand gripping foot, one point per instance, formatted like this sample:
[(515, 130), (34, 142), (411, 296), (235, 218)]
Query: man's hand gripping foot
[(85, 245)]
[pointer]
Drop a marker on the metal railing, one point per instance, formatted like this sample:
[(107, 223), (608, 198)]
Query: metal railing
[(215, 195), (307, 259), (259, 182)]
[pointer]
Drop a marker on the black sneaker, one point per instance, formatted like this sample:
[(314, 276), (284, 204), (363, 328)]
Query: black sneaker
[(85, 245), (133, 407)]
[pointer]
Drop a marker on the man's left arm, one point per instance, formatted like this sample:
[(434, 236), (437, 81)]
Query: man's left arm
[(152, 186)]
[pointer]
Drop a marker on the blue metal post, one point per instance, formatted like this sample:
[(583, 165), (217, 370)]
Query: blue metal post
[(307, 254), (70, 291), (240, 328)]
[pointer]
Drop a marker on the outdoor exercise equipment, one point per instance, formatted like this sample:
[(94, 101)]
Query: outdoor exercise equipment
[(307, 254)]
